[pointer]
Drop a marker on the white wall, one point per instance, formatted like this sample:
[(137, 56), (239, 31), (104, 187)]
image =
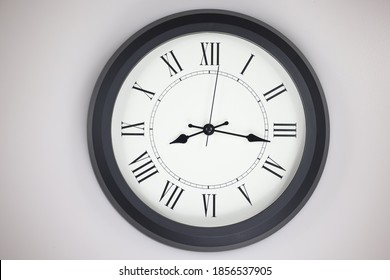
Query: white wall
[(51, 53)]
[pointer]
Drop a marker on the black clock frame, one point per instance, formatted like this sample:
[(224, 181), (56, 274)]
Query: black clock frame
[(203, 238)]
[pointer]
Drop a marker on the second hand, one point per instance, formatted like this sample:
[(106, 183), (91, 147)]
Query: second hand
[(212, 104)]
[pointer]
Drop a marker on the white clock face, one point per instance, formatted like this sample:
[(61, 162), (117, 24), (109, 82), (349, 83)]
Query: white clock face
[(208, 129)]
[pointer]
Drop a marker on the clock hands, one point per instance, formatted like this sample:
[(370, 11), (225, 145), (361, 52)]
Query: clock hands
[(209, 129), (250, 137)]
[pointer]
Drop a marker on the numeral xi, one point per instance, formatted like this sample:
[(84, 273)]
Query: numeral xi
[(174, 67)]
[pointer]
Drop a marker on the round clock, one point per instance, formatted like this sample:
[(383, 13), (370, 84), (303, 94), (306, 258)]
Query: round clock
[(208, 130)]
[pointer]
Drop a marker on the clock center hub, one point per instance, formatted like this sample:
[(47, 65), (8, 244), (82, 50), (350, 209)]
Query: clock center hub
[(208, 129)]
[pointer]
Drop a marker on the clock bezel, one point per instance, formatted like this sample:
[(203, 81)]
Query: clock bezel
[(204, 238)]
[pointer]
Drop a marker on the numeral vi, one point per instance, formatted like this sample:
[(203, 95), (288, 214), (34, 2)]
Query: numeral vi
[(209, 204)]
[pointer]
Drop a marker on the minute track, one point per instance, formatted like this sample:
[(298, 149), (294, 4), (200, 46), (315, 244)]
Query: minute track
[(256, 140)]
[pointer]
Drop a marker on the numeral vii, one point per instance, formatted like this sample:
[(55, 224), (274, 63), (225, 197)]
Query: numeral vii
[(172, 193), (210, 53), (173, 64), (209, 204), (144, 167)]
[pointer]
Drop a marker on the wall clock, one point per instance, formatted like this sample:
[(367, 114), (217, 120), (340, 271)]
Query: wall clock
[(208, 130)]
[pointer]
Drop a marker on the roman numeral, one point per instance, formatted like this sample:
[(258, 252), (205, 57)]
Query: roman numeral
[(274, 92), (210, 53), (174, 67), (244, 192), (285, 129), (144, 167), (173, 193), (209, 204), (148, 93), (247, 63), (273, 167), (136, 129)]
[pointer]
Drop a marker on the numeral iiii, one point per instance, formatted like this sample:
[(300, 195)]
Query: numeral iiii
[(273, 167)]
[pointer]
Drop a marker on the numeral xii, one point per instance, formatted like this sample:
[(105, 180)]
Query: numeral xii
[(210, 53)]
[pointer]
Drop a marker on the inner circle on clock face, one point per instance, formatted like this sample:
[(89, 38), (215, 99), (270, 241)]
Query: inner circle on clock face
[(209, 159)]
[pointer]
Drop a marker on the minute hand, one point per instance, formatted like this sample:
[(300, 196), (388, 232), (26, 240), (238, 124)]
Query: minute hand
[(250, 137)]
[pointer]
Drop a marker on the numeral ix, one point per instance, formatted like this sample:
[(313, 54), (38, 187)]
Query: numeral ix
[(136, 129)]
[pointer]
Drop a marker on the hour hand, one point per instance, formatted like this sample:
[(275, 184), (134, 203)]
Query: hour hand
[(182, 139)]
